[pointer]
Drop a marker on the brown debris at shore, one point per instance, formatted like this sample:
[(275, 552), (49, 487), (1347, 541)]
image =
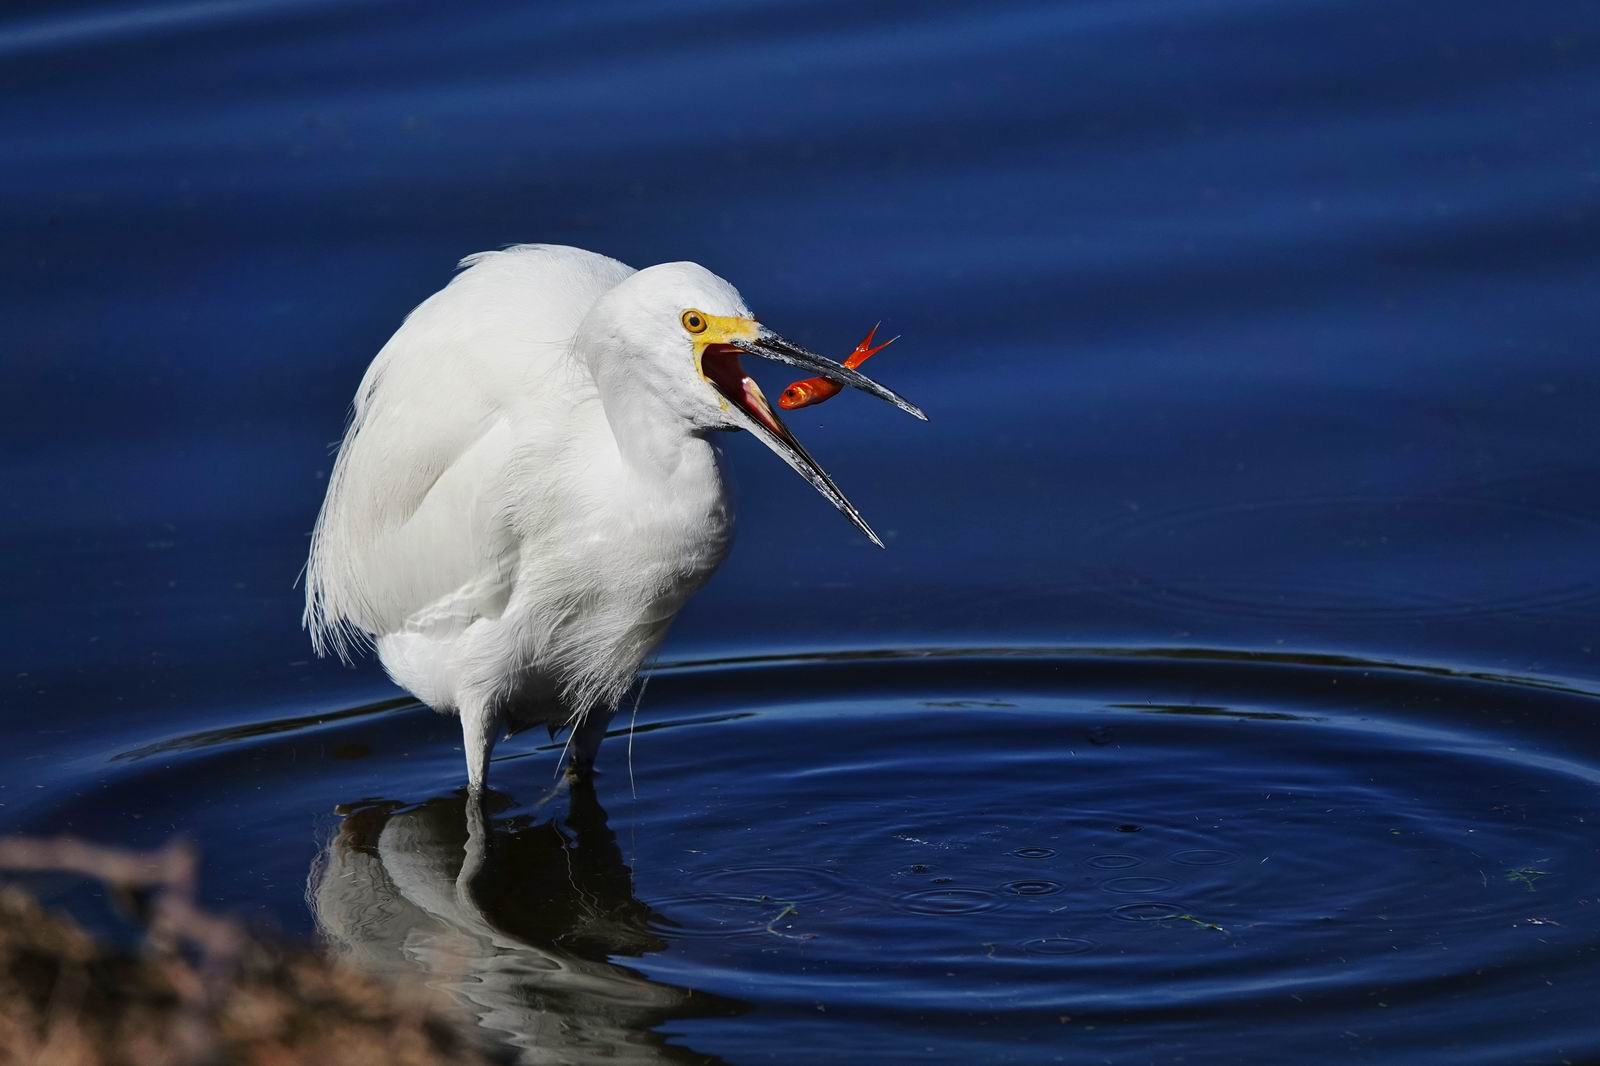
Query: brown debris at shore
[(202, 991)]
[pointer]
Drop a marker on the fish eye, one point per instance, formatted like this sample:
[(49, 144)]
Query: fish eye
[(694, 321)]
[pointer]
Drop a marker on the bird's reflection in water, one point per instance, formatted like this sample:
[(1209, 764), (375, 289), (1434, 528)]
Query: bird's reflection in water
[(517, 919)]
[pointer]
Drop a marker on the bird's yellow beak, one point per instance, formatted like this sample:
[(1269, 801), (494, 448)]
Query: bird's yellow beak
[(717, 352), (725, 329)]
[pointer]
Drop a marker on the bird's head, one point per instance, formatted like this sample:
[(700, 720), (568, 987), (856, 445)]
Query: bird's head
[(680, 332)]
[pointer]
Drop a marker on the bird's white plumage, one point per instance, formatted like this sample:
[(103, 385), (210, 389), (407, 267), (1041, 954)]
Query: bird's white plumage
[(414, 531), (525, 496), (527, 493)]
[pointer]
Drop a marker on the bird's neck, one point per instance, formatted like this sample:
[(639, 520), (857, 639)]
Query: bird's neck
[(653, 442)]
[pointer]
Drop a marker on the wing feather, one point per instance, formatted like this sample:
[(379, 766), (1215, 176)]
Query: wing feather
[(412, 533)]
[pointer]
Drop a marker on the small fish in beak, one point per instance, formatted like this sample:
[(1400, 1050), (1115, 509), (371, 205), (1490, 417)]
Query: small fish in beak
[(719, 363), (812, 391)]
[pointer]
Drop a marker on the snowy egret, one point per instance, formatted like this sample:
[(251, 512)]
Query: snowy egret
[(525, 496)]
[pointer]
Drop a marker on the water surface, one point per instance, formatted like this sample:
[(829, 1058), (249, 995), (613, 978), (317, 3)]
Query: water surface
[(1226, 692)]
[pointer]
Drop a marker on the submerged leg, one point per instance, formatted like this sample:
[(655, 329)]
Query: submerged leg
[(586, 744), (480, 728)]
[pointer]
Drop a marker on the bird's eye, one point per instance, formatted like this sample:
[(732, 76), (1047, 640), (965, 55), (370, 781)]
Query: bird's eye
[(694, 322)]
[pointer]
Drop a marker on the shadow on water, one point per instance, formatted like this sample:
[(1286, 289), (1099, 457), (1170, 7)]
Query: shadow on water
[(250, 730), (1155, 654), (517, 919)]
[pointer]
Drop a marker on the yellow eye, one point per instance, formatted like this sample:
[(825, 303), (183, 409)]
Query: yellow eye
[(694, 321)]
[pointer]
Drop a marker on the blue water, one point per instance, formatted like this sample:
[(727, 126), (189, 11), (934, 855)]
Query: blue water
[(1227, 691)]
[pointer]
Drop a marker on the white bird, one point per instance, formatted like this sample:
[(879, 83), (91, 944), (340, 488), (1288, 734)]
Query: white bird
[(526, 494)]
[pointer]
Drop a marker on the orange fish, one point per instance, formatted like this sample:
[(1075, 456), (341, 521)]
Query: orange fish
[(816, 390)]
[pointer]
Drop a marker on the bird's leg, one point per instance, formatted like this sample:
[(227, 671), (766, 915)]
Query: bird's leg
[(586, 740), (480, 728)]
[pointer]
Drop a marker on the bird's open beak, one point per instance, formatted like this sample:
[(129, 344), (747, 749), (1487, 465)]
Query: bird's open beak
[(768, 345), (720, 348), (720, 364)]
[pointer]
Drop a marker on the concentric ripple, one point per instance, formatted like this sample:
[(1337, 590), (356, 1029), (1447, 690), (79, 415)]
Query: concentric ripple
[(1138, 884), (1307, 833), (1315, 844), (1113, 862), (793, 883), (1204, 857), (940, 901)]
